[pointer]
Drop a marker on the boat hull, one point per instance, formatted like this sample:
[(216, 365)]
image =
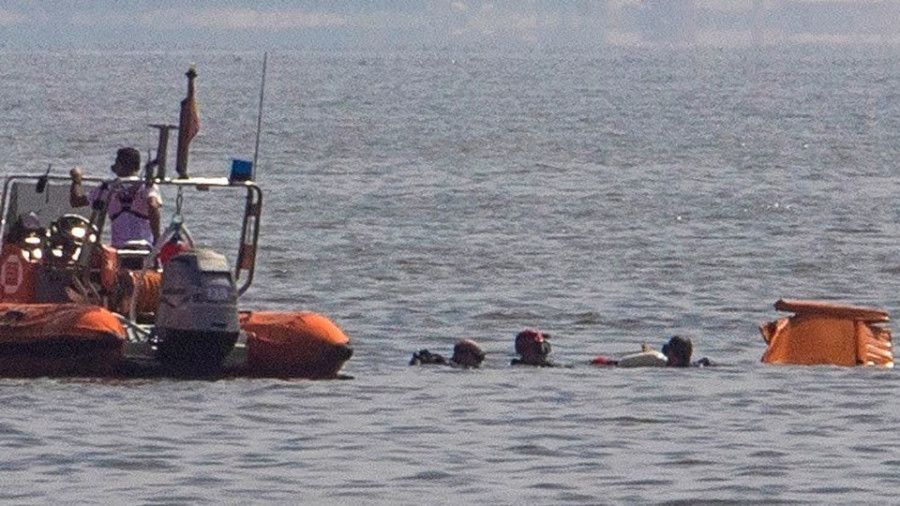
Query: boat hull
[(70, 339)]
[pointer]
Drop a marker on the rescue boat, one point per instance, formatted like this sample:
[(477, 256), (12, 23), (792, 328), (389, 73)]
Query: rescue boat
[(71, 304)]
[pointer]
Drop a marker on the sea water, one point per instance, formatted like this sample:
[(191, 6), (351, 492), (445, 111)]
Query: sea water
[(417, 197)]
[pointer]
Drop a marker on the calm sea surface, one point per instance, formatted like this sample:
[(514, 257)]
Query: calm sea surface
[(419, 197)]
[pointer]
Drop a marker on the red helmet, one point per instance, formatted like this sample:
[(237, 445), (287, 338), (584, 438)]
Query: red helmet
[(530, 339)]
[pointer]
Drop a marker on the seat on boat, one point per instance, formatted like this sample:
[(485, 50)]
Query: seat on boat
[(133, 253), (832, 334)]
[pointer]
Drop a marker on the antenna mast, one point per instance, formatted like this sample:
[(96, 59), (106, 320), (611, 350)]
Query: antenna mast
[(262, 89)]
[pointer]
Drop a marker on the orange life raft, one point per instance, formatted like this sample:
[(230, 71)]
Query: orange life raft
[(824, 333), (59, 340)]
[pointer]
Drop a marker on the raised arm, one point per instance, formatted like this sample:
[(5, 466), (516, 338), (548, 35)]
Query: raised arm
[(77, 198)]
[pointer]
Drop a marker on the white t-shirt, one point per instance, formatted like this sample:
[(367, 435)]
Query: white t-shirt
[(129, 211)]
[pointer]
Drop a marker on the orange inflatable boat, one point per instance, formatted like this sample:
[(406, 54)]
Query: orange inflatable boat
[(71, 339), (824, 333), (70, 304)]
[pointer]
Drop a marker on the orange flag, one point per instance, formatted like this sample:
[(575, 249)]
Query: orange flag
[(188, 126)]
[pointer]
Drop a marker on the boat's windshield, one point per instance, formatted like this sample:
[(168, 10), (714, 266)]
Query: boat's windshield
[(220, 216), (46, 206)]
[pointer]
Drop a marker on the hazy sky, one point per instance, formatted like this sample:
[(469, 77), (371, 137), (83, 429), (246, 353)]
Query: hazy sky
[(359, 23)]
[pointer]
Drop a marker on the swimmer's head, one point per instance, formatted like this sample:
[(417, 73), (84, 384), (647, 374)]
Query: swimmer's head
[(532, 346), (467, 353), (678, 351)]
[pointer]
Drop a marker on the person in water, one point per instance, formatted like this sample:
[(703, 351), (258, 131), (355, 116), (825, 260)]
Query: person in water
[(533, 349), (466, 353), (678, 353), (133, 205), (675, 353)]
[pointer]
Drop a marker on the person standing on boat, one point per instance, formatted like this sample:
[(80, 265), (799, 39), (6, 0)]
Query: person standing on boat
[(133, 205)]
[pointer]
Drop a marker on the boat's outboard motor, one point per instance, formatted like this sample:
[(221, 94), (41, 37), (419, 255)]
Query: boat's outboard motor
[(197, 319)]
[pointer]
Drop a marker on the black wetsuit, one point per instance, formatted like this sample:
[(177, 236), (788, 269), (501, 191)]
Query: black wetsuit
[(424, 357), (542, 363)]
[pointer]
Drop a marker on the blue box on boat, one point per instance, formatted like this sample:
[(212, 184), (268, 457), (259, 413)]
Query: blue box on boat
[(241, 170)]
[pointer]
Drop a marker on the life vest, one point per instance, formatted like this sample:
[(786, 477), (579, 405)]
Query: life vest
[(125, 195)]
